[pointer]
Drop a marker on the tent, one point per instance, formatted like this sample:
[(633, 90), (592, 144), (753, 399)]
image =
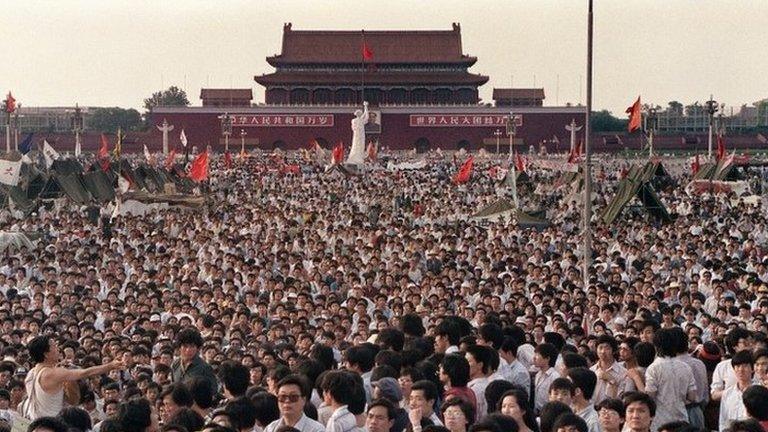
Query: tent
[(504, 208), (70, 185), (99, 186), (15, 197), (642, 190), (14, 240)]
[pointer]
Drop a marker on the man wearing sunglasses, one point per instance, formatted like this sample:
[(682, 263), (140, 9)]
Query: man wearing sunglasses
[(292, 394)]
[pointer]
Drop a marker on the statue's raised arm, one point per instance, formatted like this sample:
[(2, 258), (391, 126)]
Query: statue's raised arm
[(364, 117)]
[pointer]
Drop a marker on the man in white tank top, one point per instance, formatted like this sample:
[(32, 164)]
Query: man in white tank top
[(46, 381)]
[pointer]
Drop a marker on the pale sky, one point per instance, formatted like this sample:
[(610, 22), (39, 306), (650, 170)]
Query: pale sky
[(115, 52)]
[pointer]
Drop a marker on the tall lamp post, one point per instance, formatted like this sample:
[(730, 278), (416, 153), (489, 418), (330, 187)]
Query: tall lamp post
[(16, 127), (77, 127), (497, 134), (651, 124), (512, 131), (588, 154), (226, 129), (243, 133), (711, 107)]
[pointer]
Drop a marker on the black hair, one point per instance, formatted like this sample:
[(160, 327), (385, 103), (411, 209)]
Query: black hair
[(666, 342), (584, 380), (611, 404), (644, 398), (76, 418), (428, 387), (492, 333), (242, 413), (358, 396), (201, 391), (135, 415), (412, 325), (390, 358), (234, 377), (188, 419), (748, 425), (754, 399), (391, 339), (180, 394), (389, 406), (607, 339), (189, 336), (297, 380), (734, 336), (548, 351), (482, 354), (521, 397), (338, 383), (742, 357), (550, 412), (52, 423), (464, 406), (562, 384), (266, 408), (645, 353), (570, 420), (37, 348), (360, 356), (571, 360), (457, 369), (494, 392)]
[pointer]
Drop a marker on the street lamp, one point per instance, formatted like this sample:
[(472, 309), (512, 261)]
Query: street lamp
[(711, 108), (651, 124), (242, 142), (512, 131), (16, 126), (77, 126), (497, 134), (226, 129)]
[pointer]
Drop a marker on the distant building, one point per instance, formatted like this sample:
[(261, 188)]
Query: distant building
[(226, 97), (49, 119), (423, 67), (518, 97)]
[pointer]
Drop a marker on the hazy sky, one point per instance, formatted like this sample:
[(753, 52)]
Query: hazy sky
[(115, 53)]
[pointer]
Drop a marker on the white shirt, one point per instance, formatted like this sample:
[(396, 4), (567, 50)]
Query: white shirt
[(618, 374), (723, 376), (543, 382), (341, 421), (478, 386), (305, 424), (731, 407), (669, 380), (589, 415)]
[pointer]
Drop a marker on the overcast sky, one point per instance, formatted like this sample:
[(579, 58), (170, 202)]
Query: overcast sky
[(115, 53)]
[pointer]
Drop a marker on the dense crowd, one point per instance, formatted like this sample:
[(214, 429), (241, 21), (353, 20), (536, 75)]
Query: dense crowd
[(323, 301)]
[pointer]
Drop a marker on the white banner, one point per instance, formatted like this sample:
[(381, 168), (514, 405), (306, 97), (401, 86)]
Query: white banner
[(49, 153), (555, 165), (9, 172)]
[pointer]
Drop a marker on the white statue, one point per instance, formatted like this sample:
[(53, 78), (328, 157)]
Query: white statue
[(357, 150)]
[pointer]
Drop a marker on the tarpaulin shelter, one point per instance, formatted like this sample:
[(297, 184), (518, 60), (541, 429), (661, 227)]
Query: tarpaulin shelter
[(99, 186), (15, 197), (630, 188), (14, 240), (504, 208)]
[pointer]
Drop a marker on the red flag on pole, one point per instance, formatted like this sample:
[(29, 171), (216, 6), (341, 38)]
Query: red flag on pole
[(519, 164), (338, 154), (228, 159), (104, 149), (634, 115), (695, 166), (372, 151), (465, 172), (10, 103), (367, 52), (199, 170), (720, 147), (171, 159)]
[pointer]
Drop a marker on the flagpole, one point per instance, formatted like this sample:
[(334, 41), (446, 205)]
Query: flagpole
[(362, 72), (588, 155)]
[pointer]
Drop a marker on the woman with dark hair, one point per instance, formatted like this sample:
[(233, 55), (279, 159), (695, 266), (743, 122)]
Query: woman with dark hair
[(514, 403), (458, 414)]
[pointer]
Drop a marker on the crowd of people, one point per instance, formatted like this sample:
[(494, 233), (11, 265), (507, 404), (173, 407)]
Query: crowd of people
[(323, 301)]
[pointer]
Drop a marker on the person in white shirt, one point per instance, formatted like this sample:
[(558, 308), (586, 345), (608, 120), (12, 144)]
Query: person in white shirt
[(423, 396), (736, 340), (480, 360), (292, 394), (584, 383), (731, 403), (544, 358), (612, 379), (336, 394)]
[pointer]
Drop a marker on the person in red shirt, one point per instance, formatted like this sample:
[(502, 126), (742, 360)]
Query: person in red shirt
[(454, 375)]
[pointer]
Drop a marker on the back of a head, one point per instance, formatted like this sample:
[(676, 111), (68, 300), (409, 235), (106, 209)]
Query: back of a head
[(748, 425), (584, 380), (242, 413), (457, 369), (76, 418), (504, 423), (53, 424), (235, 377), (549, 414), (755, 400), (188, 418), (493, 392), (201, 391), (135, 415), (570, 421)]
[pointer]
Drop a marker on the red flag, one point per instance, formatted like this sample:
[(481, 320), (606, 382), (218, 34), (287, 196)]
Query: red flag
[(519, 164), (372, 152), (623, 173), (720, 147), (634, 115), (199, 170), (465, 172), (104, 165), (10, 103), (338, 154), (313, 144), (367, 52), (171, 159), (104, 149), (695, 166), (228, 159)]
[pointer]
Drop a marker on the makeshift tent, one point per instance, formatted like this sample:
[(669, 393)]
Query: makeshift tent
[(99, 186), (70, 185), (504, 208), (630, 188), (14, 240), (67, 166), (652, 172), (14, 197)]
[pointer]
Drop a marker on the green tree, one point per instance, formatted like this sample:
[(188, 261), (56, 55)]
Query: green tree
[(604, 121), (174, 96), (675, 108), (110, 119)]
